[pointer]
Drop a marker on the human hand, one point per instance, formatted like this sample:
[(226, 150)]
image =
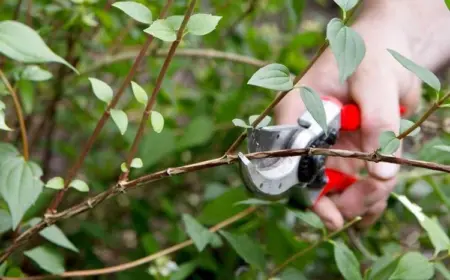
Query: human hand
[(378, 86)]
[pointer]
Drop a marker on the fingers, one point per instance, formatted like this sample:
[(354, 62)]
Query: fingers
[(329, 214), (377, 94)]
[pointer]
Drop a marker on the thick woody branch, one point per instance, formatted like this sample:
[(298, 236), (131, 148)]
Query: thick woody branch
[(121, 188)]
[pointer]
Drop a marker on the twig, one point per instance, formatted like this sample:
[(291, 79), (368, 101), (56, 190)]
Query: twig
[(17, 10), (159, 80), (19, 113), (198, 53), (91, 202), (29, 19), (152, 257), (312, 246), (282, 94), (425, 116), (101, 123)]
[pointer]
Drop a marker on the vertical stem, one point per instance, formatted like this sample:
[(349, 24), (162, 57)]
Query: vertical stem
[(101, 123), (23, 129), (159, 80)]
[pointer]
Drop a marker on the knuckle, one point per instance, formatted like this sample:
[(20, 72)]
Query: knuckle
[(376, 121)]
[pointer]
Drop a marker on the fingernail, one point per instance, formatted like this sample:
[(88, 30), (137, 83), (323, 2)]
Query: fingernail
[(384, 170)]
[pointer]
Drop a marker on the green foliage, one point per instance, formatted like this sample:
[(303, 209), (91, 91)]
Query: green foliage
[(346, 261), (309, 218), (35, 73), (56, 183), (139, 93), (347, 46), (120, 118), (5, 221), (414, 266), (47, 259), (135, 10), (346, 5), (241, 123), (20, 42), (424, 74), (389, 143), (79, 185), (442, 148), (157, 121), (250, 251), (102, 90), (202, 24), (199, 234), (20, 185), (314, 105), (54, 235), (273, 76)]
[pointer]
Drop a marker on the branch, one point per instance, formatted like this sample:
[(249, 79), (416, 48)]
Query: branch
[(121, 188), (425, 116), (282, 94), (151, 102), (19, 113), (197, 53), (152, 257), (101, 123)]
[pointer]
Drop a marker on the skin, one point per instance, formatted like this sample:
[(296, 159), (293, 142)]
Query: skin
[(420, 31)]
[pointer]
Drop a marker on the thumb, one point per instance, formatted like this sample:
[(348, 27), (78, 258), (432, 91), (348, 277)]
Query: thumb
[(377, 95)]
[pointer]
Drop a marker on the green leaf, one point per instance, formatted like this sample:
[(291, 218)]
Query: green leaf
[(383, 268), (442, 148), (199, 234), (246, 247), (2, 105), (3, 125), (389, 143), (7, 151), (264, 122), (139, 93), (47, 259), (273, 76), (202, 24), (35, 73), (54, 235), (315, 107), (20, 186), (56, 183), (157, 121), (136, 163), (19, 42), (424, 74), (309, 218), (135, 10), (437, 235), (123, 167), (3, 268), (240, 123), (347, 46), (184, 271), (346, 5), (413, 266), (79, 185), (346, 262), (199, 131), (120, 119), (5, 221), (447, 2), (101, 89), (165, 29), (405, 125), (222, 207), (292, 274)]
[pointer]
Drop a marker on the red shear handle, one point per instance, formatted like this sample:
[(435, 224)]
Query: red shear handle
[(350, 121)]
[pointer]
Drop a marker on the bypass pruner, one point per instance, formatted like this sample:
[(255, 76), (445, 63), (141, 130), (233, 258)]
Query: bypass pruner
[(303, 179)]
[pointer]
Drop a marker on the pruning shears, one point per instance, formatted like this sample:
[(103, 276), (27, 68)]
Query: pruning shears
[(303, 179)]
